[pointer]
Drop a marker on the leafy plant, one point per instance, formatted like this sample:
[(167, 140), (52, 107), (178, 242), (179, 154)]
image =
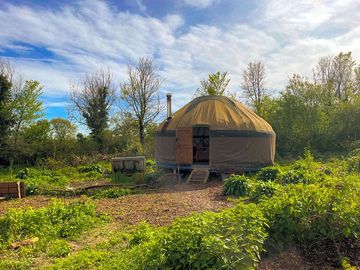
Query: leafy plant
[(58, 248), (56, 220), (236, 185), (268, 174), (111, 193), (264, 190)]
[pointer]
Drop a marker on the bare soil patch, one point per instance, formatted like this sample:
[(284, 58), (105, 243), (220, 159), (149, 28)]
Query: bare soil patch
[(161, 207)]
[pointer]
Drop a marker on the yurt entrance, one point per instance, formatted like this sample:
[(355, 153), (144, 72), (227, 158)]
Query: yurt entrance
[(200, 145)]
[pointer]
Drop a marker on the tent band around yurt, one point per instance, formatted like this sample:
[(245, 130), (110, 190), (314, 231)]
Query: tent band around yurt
[(215, 132)]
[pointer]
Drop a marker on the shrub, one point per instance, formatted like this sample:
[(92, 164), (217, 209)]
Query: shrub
[(268, 174), (264, 190), (143, 233), (150, 165), (24, 174), (58, 248), (231, 239), (312, 214), (56, 220), (111, 193), (91, 168), (296, 176), (353, 163), (236, 185)]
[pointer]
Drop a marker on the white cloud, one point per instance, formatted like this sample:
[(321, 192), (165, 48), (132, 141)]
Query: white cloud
[(288, 36), (200, 3)]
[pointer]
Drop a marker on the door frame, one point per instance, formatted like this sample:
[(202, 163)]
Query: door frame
[(202, 126)]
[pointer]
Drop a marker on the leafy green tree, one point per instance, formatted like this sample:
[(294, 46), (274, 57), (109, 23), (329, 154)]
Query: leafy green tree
[(26, 105), (92, 101), (37, 141), (62, 129), (6, 116), (63, 137), (214, 85)]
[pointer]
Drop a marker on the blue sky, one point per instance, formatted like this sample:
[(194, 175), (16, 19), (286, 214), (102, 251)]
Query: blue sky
[(57, 42)]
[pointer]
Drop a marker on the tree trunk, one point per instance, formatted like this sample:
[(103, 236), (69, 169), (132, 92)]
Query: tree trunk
[(141, 133)]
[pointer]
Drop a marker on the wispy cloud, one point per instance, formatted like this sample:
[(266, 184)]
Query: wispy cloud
[(288, 36), (200, 3)]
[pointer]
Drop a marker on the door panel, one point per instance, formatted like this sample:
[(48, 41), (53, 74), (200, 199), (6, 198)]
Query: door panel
[(184, 145)]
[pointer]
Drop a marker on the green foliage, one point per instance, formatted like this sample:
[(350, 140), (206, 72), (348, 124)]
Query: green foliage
[(111, 193), (143, 233), (313, 214), (86, 259), (264, 190), (268, 174), (37, 180), (7, 264), (59, 220), (231, 239), (323, 114), (150, 165), (91, 168), (6, 117), (215, 85), (236, 185), (58, 248), (353, 163), (295, 176)]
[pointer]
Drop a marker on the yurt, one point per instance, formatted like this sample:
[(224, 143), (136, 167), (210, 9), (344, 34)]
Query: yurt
[(214, 132)]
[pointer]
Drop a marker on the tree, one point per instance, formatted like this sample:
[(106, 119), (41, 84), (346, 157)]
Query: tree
[(140, 92), (357, 80), (26, 105), (214, 85), (6, 116), (336, 73), (92, 101), (253, 84), (62, 129)]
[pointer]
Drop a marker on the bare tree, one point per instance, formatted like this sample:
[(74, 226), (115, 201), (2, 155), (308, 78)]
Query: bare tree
[(7, 70), (253, 80), (336, 74), (140, 91), (357, 80), (92, 100)]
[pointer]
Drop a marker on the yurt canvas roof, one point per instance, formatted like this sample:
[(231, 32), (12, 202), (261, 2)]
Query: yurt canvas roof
[(219, 113)]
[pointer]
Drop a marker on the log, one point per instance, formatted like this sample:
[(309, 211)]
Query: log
[(26, 242)]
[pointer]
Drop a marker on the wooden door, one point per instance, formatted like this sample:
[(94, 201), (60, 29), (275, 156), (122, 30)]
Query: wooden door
[(184, 146)]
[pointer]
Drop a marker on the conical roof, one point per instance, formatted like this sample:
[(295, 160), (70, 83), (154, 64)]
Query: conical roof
[(219, 113)]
